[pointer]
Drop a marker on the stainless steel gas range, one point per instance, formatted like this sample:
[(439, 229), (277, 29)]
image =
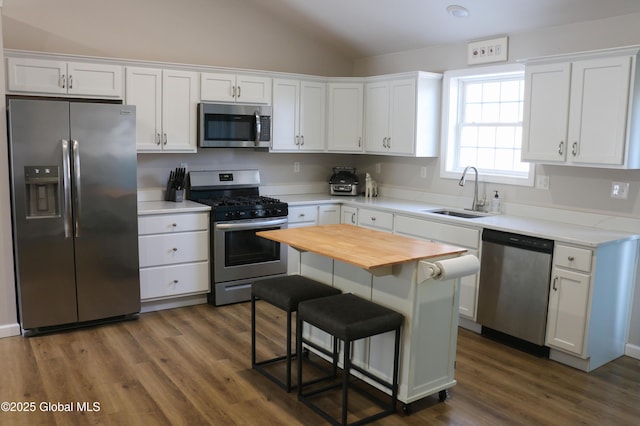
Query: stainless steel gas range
[(238, 256)]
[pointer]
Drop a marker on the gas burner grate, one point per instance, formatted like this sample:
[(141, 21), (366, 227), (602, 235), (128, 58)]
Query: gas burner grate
[(238, 201)]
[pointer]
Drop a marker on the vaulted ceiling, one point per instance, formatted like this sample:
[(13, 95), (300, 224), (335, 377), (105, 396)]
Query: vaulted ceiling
[(373, 27)]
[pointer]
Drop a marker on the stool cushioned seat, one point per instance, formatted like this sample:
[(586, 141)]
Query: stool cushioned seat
[(286, 292), (349, 317)]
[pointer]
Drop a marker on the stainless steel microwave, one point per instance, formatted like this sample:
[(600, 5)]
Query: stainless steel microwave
[(234, 126)]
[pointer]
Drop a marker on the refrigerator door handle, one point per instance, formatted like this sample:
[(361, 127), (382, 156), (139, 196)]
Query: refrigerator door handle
[(66, 188), (76, 185)]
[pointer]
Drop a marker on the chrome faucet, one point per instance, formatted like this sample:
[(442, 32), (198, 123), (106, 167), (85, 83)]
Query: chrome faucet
[(477, 204)]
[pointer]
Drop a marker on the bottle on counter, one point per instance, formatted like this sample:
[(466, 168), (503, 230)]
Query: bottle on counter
[(495, 203)]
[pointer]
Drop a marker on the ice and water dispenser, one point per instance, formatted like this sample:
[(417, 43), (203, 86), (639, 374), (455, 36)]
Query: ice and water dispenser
[(42, 186)]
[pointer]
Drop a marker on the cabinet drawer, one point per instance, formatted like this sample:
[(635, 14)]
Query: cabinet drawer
[(573, 258), (167, 249), (440, 232), (174, 280), (169, 223), (303, 214), (376, 219)]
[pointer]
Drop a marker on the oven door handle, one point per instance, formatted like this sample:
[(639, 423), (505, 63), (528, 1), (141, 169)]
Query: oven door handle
[(249, 225)]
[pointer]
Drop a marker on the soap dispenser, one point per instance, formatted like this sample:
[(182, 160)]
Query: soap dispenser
[(495, 203)]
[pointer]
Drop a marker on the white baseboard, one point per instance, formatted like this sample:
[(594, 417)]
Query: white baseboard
[(9, 330), (632, 350)]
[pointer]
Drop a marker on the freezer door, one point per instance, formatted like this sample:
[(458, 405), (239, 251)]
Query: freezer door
[(104, 176), (43, 242)]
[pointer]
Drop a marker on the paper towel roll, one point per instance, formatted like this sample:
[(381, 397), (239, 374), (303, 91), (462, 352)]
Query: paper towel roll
[(457, 267)]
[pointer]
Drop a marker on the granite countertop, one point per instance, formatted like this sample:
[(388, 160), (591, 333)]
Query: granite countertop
[(168, 207), (542, 228)]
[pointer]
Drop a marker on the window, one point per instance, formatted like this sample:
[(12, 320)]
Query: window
[(482, 124)]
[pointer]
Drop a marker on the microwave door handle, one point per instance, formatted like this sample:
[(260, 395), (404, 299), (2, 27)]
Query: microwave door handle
[(258, 128)]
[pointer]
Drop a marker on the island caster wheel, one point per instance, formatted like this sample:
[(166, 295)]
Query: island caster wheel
[(406, 409), (443, 395)]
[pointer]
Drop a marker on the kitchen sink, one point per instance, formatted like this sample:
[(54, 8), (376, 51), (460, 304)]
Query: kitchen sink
[(457, 213)]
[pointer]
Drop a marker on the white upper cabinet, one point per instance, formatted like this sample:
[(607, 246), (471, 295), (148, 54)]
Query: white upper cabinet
[(580, 110), (298, 115), (402, 114), (166, 104), (345, 118), (220, 87), (40, 76)]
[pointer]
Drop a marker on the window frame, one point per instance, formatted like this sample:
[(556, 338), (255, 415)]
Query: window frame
[(450, 112)]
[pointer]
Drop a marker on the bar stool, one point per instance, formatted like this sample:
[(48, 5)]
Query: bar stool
[(348, 318), (284, 293)]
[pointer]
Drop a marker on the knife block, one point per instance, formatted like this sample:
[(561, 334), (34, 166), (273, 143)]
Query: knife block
[(175, 195)]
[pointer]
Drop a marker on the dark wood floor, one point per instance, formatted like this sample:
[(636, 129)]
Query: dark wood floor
[(191, 366)]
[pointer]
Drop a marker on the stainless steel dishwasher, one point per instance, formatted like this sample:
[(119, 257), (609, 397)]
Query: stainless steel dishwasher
[(513, 296)]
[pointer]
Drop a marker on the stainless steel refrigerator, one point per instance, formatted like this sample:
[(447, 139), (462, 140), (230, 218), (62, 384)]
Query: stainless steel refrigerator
[(74, 211)]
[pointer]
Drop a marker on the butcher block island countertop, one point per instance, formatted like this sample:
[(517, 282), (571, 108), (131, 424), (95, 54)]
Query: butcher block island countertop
[(366, 248)]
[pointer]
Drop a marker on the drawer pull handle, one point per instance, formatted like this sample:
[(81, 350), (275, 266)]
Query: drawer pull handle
[(571, 258), (555, 282), (175, 281), (175, 249), (174, 224), (373, 218)]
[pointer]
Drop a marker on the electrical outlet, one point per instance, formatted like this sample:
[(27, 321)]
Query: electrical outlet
[(485, 51), (423, 172), (620, 190), (183, 165), (542, 182), (296, 167)]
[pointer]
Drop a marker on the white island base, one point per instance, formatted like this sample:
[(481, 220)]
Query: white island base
[(430, 329)]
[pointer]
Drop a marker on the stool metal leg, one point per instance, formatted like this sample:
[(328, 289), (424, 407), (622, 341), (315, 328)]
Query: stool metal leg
[(396, 365), (253, 332), (299, 351), (288, 384), (346, 364)]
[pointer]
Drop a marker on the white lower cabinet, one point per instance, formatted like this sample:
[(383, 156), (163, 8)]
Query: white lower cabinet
[(588, 316), (309, 215), (349, 215), (468, 238), (375, 219), (568, 302), (328, 214), (174, 257)]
